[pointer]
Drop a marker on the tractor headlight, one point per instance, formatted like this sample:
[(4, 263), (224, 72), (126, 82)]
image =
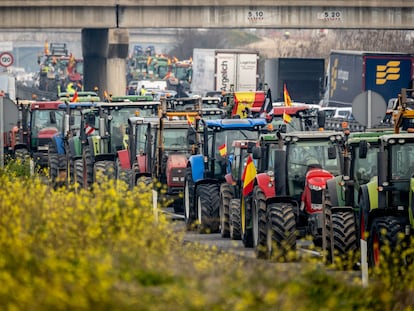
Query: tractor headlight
[(315, 187)]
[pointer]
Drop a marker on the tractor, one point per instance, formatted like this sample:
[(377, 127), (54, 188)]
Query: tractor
[(292, 190), (379, 184), (61, 153), (206, 170), (234, 204), (103, 134)]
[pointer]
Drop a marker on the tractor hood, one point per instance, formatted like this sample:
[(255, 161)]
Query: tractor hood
[(47, 132)]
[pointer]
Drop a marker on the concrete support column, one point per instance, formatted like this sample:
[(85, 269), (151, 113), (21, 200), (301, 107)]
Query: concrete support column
[(104, 54), (118, 45)]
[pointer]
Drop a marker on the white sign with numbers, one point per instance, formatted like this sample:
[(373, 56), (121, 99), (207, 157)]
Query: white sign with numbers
[(330, 15)]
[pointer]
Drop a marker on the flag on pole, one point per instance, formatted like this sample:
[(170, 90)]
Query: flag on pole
[(75, 97), (248, 177), (223, 150), (286, 118), (267, 107), (286, 96), (189, 120)]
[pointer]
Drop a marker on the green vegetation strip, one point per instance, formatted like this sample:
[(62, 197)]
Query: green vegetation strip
[(70, 249)]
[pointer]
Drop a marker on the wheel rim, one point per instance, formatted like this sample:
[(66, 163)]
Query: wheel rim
[(376, 249)]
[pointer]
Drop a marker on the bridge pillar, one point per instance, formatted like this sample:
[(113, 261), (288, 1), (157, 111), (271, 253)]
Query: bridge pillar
[(104, 53)]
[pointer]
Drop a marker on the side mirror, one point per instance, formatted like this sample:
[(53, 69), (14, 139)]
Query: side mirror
[(257, 153), (90, 119), (71, 120), (52, 117), (250, 146), (331, 152), (363, 149), (127, 131), (321, 119)]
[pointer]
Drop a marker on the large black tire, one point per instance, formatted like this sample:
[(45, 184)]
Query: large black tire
[(281, 232), (104, 169), (53, 162), (247, 234), (226, 194), (235, 220), (259, 222), (87, 168), (208, 199), (71, 167), (22, 155), (344, 235), (124, 175), (78, 176), (188, 200), (384, 233)]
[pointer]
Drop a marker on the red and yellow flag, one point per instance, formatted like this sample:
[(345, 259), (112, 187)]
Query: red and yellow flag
[(249, 175), (286, 118), (286, 96), (75, 97), (222, 150)]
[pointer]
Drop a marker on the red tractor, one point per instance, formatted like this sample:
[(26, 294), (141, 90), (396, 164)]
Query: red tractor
[(287, 200)]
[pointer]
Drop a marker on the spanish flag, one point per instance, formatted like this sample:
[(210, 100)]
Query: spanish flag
[(248, 177), (286, 118), (222, 150), (288, 101)]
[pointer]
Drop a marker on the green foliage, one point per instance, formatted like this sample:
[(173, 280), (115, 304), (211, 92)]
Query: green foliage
[(71, 249)]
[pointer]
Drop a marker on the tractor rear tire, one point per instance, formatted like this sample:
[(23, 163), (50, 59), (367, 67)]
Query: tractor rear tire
[(281, 232), (104, 168), (235, 220), (22, 155), (259, 222), (78, 174), (226, 194), (384, 233), (344, 238), (208, 208), (188, 200), (87, 168)]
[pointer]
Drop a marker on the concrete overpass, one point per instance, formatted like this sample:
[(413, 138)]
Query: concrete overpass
[(105, 24), (376, 14)]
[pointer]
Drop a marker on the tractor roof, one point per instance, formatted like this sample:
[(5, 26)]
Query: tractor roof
[(230, 124)]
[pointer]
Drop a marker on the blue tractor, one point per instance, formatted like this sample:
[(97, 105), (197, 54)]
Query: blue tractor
[(206, 171)]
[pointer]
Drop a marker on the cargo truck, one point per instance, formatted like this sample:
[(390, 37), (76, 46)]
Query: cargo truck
[(303, 77), (353, 72), (217, 70)]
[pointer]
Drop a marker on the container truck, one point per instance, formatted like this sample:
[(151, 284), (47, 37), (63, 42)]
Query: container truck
[(303, 78), (217, 70), (353, 72)]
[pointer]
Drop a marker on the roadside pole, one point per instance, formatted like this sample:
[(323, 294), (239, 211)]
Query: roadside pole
[(1, 131)]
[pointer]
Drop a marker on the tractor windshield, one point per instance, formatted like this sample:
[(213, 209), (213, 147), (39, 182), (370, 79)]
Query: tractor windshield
[(402, 161), (42, 119), (226, 138), (141, 138), (175, 138), (306, 154), (365, 168)]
